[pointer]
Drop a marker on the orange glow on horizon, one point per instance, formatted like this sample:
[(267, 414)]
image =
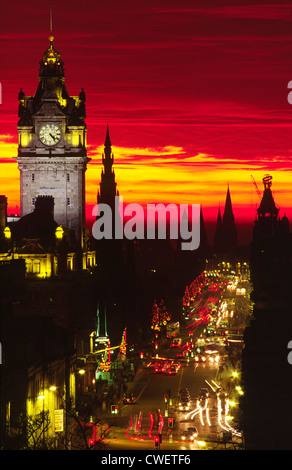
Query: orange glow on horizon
[(166, 175)]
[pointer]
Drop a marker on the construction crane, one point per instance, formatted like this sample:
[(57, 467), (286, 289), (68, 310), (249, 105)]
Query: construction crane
[(256, 187)]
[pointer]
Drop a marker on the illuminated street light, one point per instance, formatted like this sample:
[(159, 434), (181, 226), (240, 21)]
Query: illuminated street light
[(59, 233)]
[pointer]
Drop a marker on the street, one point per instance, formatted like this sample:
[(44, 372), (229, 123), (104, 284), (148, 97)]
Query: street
[(197, 366)]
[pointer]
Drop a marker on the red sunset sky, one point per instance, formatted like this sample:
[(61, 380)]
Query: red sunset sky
[(194, 92)]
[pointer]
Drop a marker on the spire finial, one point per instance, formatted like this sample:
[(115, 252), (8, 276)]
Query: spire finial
[(51, 37)]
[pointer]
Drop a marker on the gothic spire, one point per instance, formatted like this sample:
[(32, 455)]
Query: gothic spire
[(108, 158), (228, 216), (108, 189)]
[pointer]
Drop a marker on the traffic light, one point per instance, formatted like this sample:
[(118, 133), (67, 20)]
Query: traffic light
[(157, 441), (165, 398), (91, 442), (170, 422), (114, 409)]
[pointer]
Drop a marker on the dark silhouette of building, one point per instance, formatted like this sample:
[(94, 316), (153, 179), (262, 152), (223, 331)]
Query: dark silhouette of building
[(218, 237), (266, 373), (48, 287), (108, 186), (203, 233), (225, 239), (110, 249)]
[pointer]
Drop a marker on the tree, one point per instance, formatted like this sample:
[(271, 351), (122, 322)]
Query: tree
[(84, 430), (155, 316), (34, 429)]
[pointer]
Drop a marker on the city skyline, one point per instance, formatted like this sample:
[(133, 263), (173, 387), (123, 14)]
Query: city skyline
[(195, 97)]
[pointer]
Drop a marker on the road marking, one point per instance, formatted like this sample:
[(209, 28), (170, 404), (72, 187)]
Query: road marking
[(143, 388)]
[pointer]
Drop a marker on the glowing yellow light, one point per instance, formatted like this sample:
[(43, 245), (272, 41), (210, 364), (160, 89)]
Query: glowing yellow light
[(201, 443), (41, 397), (59, 233), (81, 371), (7, 233), (52, 388), (75, 138)]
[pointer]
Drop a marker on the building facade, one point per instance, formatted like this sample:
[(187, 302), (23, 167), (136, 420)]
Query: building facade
[(52, 156)]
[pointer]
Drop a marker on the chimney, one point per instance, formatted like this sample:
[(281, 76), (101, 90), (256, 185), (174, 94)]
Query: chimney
[(45, 205), (3, 213)]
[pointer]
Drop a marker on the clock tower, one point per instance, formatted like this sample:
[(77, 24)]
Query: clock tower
[(52, 156)]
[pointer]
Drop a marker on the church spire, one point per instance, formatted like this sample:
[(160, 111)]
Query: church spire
[(228, 216), (226, 233), (229, 231)]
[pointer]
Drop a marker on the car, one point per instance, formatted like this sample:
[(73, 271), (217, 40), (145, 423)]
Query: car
[(193, 430), (200, 358), (184, 398), (176, 342), (187, 436), (184, 402), (184, 406), (172, 370), (204, 393), (128, 398)]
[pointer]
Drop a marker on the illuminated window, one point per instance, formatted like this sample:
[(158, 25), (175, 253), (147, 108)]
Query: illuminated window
[(28, 264), (36, 267)]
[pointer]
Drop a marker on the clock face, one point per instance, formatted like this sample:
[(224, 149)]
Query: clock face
[(50, 134)]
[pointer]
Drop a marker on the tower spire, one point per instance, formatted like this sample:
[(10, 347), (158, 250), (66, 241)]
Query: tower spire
[(51, 37)]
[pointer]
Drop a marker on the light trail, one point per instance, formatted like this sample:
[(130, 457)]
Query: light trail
[(151, 425), (226, 426)]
